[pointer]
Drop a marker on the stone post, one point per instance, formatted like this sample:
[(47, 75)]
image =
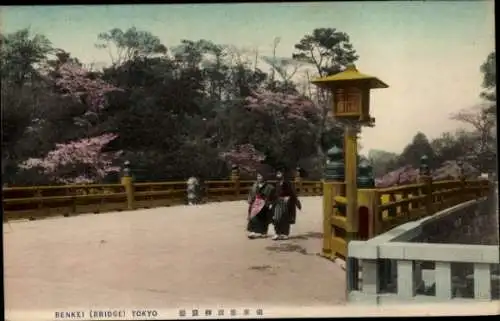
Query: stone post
[(127, 183), (235, 178), (193, 190)]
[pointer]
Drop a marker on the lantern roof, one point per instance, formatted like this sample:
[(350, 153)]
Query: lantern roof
[(349, 75)]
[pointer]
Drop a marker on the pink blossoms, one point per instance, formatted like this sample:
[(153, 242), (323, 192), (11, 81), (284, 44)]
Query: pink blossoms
[(285, 110), (80, 161), (282, 106), (245, 156), (76, 82)]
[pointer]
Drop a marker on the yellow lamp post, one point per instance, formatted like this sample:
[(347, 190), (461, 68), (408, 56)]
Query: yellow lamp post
[(350, 92)]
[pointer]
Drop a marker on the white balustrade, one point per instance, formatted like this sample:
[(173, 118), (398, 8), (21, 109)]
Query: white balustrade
[(410, 266)]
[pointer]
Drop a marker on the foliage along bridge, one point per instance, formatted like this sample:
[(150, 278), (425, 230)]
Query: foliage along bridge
[(156, 253)]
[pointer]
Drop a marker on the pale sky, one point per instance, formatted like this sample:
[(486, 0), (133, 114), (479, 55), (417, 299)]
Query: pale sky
[(429, 53)]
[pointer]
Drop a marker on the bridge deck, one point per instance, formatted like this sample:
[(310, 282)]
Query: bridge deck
[(176, 257)]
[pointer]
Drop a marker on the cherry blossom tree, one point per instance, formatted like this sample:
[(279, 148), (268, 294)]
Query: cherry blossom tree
[(285, 110), (401, 176), (85, 87), (281, 106), (409, 175), (81, 161), (245, 156), (454, 170)]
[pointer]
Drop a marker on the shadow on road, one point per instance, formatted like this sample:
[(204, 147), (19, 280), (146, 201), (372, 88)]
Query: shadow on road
[(260, 267), (294, 247), (308, 235), (288, 247)]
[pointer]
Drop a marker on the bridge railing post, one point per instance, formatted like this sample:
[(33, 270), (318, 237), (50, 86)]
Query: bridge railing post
[(235, 178), (368, 202), (426, 179), (193, 191), (328, 195), (128, 185), (333, 182), (351, 188)]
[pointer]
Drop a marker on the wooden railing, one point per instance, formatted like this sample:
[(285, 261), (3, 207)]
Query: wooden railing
[(412, 202), (380, 210), (46, 201)]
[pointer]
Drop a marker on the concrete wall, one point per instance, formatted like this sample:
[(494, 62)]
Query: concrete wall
[(397, 266)]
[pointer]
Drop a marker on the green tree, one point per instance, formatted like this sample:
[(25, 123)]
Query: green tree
[(453, 146), (382, 161), (488, 69), (62, 57), (21, 53), (328, 51), (286, 68), (480, 138), (23, 91), (419, 147), (126, 45), (482, 143)]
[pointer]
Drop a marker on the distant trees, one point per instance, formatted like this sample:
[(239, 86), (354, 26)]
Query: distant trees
[(475, 143), (23, 54), (382, 161), (418, 147), (488, 68), (128, 45)]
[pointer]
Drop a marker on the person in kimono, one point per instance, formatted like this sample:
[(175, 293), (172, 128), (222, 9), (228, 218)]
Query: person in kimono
[(284, 210), (259, 211)]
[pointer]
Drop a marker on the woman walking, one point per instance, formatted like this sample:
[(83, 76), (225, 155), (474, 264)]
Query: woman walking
[(259, 210), (284, 211)]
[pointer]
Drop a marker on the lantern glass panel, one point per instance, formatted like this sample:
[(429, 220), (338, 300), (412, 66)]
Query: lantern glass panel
[(348, 101)]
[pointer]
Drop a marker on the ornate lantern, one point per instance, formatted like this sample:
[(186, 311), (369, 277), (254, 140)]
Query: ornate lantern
[(351, 94)]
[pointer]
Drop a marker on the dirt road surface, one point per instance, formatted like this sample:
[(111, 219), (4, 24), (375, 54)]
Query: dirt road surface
[(171, 258)]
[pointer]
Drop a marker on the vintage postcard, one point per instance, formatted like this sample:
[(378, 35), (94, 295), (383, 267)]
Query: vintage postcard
[(250, 160)]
